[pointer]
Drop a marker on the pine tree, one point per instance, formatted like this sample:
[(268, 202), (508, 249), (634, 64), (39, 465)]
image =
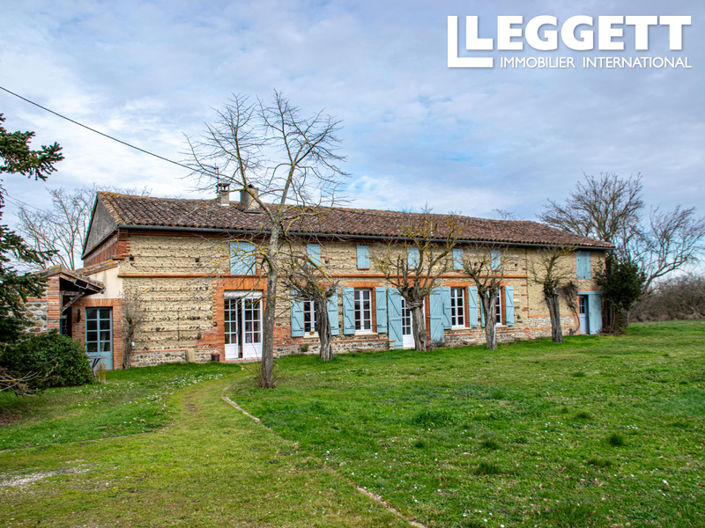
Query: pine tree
[(16, 157)]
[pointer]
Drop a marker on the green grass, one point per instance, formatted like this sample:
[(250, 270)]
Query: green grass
[(600, 431), (597, 432), (210, 466)]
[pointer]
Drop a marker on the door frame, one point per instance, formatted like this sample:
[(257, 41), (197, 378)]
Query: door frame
[(243, 350)]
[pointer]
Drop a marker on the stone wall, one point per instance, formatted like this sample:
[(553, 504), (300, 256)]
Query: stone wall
[(178, 282)]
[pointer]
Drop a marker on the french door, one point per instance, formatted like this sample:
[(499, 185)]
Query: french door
[(407, 333), (243, 325), (583, 301)]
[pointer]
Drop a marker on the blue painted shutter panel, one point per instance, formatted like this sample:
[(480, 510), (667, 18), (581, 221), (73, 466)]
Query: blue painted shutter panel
[(595, 313), (509, 305), (436, 315), (394, 307), (363, 257), (582, 264), (297, 316), (314, 253), (242, 258), (472, 306), (381, 309), (413, 257), (348, 311), (482, 315), (495, 259), (445, 293), (457, 259), (333, 314)]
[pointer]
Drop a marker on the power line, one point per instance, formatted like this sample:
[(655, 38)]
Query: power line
[(94, 130)]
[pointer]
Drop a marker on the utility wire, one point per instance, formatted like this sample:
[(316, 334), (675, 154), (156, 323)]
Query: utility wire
[(94, 130)]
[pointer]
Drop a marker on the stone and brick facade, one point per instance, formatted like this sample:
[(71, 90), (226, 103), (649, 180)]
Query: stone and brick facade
[(169, 261)]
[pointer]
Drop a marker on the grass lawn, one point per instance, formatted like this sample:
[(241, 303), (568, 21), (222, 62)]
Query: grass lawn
[(600, 431), (70, 463)]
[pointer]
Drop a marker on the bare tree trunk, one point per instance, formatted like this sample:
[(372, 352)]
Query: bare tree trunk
[(323, 329), (490, 334), (553, 303), (418, 325), (266, 375)]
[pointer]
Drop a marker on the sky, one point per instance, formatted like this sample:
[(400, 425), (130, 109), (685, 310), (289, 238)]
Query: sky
[(415, 132)]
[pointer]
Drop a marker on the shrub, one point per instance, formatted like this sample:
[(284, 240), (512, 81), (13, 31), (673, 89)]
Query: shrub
[(55, 361)]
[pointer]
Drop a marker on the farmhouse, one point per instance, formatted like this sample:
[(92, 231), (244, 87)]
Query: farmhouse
[(176, 279)]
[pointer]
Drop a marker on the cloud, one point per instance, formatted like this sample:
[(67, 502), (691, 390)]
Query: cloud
[(414, 131)]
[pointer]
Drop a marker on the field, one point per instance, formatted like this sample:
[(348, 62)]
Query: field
[(601, 431)]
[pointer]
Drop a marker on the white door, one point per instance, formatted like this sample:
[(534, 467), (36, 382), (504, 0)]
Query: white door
[(243, 325), (584, 326), (407, 334)]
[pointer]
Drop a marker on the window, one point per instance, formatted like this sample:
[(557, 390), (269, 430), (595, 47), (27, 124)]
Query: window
[(309, 317), (495, 259), (582, 265), (412, 256), (458, 259), (457, 307), (363, 310), (405, 318), (498, 307), (99, 330), (314, 253), (583, 304), (363, 257)]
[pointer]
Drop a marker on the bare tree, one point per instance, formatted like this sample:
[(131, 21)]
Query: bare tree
[(287, 164), (552, 277), (671, 240), (610, 208), (486, 268), (607, 208), (308, 281), (59, 231), (415, 266)]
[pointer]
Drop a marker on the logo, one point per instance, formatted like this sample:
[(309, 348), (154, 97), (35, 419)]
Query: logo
[(578, 33)]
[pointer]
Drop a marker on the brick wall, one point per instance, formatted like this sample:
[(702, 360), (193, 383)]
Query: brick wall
[(180, 279)]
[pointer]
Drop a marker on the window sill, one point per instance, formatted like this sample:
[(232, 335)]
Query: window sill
[(364, 332)]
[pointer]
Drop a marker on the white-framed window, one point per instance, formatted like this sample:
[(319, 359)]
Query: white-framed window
[(309, 317), (457, 307), (498, 307), (363, 310)]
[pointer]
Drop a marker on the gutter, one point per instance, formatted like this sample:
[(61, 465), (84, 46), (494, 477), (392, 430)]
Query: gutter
[(342, 236)]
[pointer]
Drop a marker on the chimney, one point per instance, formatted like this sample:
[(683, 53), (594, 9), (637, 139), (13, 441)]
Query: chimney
[(223, 191), (247, 202)]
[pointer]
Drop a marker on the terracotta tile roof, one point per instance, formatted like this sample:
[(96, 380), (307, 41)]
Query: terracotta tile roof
[(194, 214)]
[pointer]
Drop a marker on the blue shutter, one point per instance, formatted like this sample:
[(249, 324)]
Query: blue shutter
[(297, 316), (242, 258), (314, 253), (413, 257), (457, 258), (394, 307), (472, 306), (582, 264), (594, 313), (381, 309), (509, 305), (436, 315), (445, 293), (333, 314), (348, 311), (495, 259), (363, 257), (482, 314)]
